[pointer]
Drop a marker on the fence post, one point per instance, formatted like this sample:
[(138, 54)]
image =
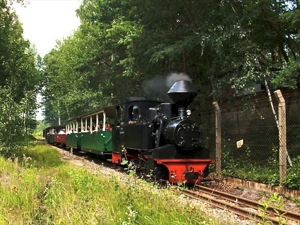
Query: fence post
[(282, 135), (218, 137)]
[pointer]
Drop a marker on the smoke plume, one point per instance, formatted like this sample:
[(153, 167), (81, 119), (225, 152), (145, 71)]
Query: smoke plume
[(173, 77)]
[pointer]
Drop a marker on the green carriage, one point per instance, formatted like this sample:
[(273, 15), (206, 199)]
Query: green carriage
[(92, 132)]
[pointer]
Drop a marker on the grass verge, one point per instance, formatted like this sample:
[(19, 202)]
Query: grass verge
[(41, 189)]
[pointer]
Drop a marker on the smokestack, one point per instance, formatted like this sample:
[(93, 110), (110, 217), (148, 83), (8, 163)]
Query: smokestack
[(182, 93)]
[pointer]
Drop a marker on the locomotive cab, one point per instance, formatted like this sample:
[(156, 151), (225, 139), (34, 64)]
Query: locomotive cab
[(133, 130)]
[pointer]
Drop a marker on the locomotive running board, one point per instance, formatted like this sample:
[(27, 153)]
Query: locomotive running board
[(185, 170)]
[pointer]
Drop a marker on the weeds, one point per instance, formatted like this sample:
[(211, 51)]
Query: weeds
[(38, 188), (276, 201)]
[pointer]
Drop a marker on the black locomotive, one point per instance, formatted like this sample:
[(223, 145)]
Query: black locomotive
[(159, 138)]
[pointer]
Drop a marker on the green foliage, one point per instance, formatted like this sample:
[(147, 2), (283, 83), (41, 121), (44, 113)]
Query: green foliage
[(243, 167), (92, 64), (40, 156), (276, 201), (36, 191), (239, 163), (19, 81), (226, 49), (292, 179), (289, 76), (40, 126)]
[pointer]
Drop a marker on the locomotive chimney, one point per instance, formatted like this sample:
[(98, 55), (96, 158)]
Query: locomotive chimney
[(182, 93)]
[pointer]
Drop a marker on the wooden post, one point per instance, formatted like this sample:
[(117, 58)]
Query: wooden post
[(282, 135), (218, 137)]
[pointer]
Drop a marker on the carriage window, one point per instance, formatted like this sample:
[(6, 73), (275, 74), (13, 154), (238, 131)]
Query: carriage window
[(84, 125), (109, 124), (72, 127), (93, 123), (100, 121)]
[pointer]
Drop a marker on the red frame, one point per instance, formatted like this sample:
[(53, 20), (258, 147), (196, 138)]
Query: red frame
[(116, 158), (177, 168)]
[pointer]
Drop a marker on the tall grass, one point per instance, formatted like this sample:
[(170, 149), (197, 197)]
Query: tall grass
[(41, 189)]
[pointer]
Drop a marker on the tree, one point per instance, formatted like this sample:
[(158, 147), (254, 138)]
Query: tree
[(19, 81), (289, 76), (225, 46), (93, 64)]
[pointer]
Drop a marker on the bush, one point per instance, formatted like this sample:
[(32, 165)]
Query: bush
[(292, 179)]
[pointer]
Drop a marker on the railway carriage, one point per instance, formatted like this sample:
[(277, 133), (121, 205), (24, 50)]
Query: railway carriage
[(96, 131), (56, 135)]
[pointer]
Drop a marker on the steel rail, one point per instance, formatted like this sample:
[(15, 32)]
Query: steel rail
[(230, 206), (240, 200), (241, 206)]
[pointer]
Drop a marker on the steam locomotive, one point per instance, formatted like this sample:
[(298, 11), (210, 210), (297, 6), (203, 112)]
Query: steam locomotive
[(157, 137)]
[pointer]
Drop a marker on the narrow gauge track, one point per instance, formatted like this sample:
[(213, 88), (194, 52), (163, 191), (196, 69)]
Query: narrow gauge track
[(243, 207)]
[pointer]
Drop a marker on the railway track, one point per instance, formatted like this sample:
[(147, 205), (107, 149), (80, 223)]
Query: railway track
[(243, 207)]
